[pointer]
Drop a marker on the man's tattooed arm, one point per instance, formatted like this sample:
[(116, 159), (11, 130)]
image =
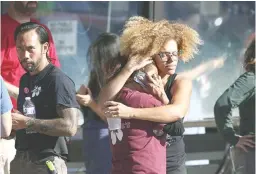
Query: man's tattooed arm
[(66, 125)]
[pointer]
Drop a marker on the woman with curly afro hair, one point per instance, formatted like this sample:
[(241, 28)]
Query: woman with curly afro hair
[(141, 149)]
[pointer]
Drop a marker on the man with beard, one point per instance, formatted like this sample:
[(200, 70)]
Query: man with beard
[(56, 109), (19, 12), (11, 70)]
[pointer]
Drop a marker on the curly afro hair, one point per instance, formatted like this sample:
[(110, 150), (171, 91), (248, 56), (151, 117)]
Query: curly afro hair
[(146, 38)]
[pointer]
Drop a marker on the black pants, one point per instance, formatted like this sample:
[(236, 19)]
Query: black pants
[(244, 162), (175, 155)]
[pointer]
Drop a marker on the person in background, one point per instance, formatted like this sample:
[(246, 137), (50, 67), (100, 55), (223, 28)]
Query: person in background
[(240, 94), (55, 111), (5, 126), (102, 54)]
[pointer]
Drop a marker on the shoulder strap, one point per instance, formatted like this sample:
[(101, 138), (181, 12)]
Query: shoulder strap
[(169, 85)]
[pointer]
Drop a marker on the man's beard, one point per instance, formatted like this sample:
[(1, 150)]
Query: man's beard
[(32, 67), (19, 6)]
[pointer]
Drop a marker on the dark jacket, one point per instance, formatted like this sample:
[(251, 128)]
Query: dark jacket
[(241, 94)]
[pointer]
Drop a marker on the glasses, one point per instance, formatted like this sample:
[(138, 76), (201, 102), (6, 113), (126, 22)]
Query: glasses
[(167, 54)]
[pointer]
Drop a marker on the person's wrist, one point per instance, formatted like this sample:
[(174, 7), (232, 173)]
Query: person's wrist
[(234, 139), (131, 114), (91, 103), (130, 69), (29, 122), (163, 97)]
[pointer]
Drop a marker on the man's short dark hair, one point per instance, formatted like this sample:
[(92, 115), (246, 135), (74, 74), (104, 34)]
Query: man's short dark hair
[(40, 30)]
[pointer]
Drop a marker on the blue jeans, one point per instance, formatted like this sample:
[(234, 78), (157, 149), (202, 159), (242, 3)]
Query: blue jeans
[(97, 152)]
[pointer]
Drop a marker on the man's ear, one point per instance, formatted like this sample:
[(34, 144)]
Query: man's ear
[(45, 47)]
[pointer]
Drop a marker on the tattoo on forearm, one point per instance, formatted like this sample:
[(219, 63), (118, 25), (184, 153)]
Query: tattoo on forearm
[(65, 125), (44, 128)]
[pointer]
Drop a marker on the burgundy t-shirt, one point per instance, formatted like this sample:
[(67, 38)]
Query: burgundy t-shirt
[(139, 151)]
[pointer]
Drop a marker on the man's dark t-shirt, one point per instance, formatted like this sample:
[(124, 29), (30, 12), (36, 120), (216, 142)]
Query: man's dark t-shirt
[(49, 88)]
